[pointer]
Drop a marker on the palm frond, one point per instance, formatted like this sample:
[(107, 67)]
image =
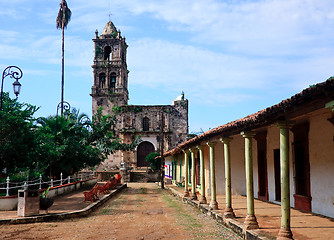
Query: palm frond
[(64, 15)]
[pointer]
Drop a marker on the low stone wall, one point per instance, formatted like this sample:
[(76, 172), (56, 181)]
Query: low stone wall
[(67, 215), (10, 203), (105, 175)]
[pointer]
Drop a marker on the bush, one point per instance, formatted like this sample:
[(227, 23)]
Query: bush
[(155, 163)]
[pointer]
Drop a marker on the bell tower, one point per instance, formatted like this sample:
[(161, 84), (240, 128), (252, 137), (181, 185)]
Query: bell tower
[(110, 85)]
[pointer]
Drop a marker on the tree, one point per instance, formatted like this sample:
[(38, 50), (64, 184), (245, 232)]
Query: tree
[(69, 143), (154, 161), (16, 135), (63, 18), (51, 145)]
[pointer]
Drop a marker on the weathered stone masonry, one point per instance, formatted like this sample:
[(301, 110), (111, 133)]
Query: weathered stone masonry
[(110, 91)]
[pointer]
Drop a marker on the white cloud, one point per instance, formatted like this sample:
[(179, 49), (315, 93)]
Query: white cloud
[(251, 27), (218, 52)]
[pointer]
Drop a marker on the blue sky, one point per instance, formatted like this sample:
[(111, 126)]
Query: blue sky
[(231, 58)]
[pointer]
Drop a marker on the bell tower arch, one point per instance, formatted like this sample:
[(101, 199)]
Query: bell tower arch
[(110, 83)]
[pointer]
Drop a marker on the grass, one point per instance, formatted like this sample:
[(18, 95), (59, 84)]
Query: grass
[(108, 210), (191, 223), (143, 190), (187, 220), (139, 200)]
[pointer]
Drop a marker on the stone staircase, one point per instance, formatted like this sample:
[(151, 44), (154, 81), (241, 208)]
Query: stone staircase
[(138, 176)]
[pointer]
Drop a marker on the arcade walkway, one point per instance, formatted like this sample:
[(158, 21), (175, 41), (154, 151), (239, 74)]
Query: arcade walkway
[(303, 225)]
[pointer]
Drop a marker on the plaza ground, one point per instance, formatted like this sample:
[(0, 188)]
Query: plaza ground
[(142, 211)]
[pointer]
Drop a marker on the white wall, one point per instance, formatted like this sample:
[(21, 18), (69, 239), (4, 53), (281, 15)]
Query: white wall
[(220, 168), (237, 156), (321, 153)]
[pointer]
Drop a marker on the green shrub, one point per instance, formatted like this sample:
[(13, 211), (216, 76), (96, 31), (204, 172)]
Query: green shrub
[(155, 163)]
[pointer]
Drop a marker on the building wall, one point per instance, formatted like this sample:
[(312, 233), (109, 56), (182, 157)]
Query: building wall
[(220, 168), (273, 142), (321, 153), (129, 125), (110, 91), (237, 156), (207, 170)]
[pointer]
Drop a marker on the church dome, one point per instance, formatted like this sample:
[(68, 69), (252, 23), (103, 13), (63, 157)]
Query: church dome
[(109, 29)]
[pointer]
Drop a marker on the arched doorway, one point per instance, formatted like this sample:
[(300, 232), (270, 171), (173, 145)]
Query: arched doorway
[(143, 149)]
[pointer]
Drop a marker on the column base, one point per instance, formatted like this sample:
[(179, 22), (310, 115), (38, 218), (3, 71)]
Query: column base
[(193, 196), (250, 223), (228, 213), (213, 205), (186, 193), (284, 234), (202, 200)]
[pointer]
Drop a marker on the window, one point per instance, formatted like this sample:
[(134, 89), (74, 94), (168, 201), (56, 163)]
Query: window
[(146, 124), (112, 83), (102, 80), (107, 51)]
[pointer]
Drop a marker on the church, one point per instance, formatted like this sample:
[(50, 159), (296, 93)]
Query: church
[(158, 125)]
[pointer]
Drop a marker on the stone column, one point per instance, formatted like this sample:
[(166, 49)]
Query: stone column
[(186, 191), (250, 221), (175, 168), (285, 231), (213, 203), (228, 212), (202, 199), (193, 195)]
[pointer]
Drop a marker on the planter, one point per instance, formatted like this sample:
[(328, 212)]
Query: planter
[(45, 203)]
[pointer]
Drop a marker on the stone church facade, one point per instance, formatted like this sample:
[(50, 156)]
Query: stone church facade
[(110, 91)]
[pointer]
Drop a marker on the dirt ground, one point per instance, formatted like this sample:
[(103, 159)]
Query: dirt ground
[(142, 211)]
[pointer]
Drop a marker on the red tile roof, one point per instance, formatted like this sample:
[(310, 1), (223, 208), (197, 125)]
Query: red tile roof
[(263, 117)]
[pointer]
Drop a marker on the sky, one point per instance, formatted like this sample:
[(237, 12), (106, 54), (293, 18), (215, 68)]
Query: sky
[(231, 58)]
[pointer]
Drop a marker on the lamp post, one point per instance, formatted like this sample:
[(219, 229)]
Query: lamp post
[(13, 72), (162, 150), (63, 106), (85, 123)]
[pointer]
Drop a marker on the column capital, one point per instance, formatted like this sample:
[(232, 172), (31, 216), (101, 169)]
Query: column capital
[(185, 151), (192, 150), (226, 139), (249, 134), (284, 124), (211, 144), (200, 147)]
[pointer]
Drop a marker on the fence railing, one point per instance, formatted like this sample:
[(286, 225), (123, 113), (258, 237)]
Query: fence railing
[(39, 183)]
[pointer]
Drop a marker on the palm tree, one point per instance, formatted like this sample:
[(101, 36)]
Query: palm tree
[(63, 18)]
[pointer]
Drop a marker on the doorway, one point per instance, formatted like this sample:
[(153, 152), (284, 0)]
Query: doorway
[(302, 167), (144, 148), (261, 139), (277, 172)]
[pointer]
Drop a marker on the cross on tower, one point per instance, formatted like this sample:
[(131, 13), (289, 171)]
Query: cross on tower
[(109, 16)]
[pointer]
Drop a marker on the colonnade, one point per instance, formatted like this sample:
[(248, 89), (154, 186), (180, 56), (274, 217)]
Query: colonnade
[(250, 221)]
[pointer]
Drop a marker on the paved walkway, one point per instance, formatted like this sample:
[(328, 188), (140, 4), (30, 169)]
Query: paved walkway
[(304, 225), (62, 204)]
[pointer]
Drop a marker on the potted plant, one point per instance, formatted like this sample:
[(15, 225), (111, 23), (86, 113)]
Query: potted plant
[(44, 202)]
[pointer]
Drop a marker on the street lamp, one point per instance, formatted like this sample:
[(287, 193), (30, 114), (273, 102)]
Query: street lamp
[(64, 106), (13, 72)]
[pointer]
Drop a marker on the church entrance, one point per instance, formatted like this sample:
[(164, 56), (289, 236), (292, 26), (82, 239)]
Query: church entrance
[(143, 150)]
